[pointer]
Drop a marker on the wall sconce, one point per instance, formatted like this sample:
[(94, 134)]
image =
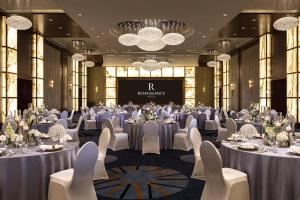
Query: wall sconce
[(70, 86), (97, 89), (251, 83), (232, 86), (51, 84), (203, 89)]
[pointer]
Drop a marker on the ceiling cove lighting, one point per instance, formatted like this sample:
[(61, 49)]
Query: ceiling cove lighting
[(151, 34), (286, 23), (18, 22)]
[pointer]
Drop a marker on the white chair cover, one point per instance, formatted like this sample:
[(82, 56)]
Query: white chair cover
[(100, 171), (57, 130), (187, 124), (64, 115), (150, 138), (118, 141), (182, 141), (75, 131), (76, 183), (198, 172), (222, 132), (221, 183), (70, 119), (247, 116), (63, 122), (248, 130), (116, 124), (231, 127)]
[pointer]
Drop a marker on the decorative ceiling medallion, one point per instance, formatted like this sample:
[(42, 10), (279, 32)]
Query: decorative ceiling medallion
[(286, 23), (151, 63), (151, 34), (18, 22)]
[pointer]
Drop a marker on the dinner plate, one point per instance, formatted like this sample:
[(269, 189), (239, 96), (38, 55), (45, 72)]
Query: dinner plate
[(51, 148), (253, 148)]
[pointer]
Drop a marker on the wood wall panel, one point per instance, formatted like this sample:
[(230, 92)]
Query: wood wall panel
[(96, 78), (249, 70), (234, 73), (53, 71), (24, 54), (204, 78)]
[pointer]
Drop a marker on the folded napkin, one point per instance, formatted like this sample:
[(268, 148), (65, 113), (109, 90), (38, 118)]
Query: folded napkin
[(247, 146), (45, 147), (295, 149)]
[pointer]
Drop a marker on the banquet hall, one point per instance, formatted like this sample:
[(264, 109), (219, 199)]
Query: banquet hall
[(163, 100)]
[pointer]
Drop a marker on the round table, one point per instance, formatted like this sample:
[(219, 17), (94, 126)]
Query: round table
[(271, 176), (101, 116), (166, 134), (42, 127), (26, 176)]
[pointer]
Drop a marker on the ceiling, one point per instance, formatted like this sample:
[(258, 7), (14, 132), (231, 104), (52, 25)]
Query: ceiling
[(212, 21)]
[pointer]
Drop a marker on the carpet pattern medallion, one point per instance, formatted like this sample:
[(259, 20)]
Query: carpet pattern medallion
[(141, 182)]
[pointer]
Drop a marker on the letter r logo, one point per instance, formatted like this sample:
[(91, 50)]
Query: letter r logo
[(150, 86)]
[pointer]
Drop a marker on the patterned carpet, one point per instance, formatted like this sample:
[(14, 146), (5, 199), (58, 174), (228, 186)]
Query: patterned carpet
[(141, 182)]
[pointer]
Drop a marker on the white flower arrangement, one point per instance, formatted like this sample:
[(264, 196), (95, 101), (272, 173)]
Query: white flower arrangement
[(3, 138), (35, 133), (282, 136), (19, 138)]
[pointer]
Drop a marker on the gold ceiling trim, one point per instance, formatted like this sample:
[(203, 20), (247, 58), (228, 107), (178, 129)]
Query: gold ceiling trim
[(35, 11), (271, 11)]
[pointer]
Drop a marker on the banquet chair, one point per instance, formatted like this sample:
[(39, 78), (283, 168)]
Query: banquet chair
[(134, 115), (150, 142), (247, 116), (70, 119), (231, 127), (116, 124), (187, 123), (63, 122), (75, 131), (92, 114), (248, 130), (182, 141), (221, 183), (76, 183), (244, 111), (198, 172), (139, 112), (233, 114), (100, 171), (89, 124), (222, 132), (225, 114), (118, 141), (64, 115), (209, 124)]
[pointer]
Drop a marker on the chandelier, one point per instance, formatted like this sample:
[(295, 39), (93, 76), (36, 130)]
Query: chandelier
[(18, 22), (89, 63), (286, 23), (224, 57), (212, 63), (77, 44), (78, 57), (151, 63), (151, 34)]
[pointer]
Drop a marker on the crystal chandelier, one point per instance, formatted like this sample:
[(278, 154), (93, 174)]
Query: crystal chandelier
[(151, 34), (89, 63), (212, 63), (151, 63), (18, 22), (224, 57), (78, 57), (77, 44), (285, 23)]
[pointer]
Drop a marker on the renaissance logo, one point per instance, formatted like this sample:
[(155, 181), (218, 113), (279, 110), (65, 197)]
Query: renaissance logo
[(151, 91)]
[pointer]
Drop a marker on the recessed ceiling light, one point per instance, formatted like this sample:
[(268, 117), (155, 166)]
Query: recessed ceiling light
[(253, 20), (243, 28), (225, 14), (92, 28), (50, 20), (98, 36), (211, 29), (235, 34), (79, 14), (68, 34), (60, 27), (204, 36)]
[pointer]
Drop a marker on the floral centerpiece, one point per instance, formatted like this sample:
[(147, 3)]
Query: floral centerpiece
[(254, 112), (272, 130), (149, 113)]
